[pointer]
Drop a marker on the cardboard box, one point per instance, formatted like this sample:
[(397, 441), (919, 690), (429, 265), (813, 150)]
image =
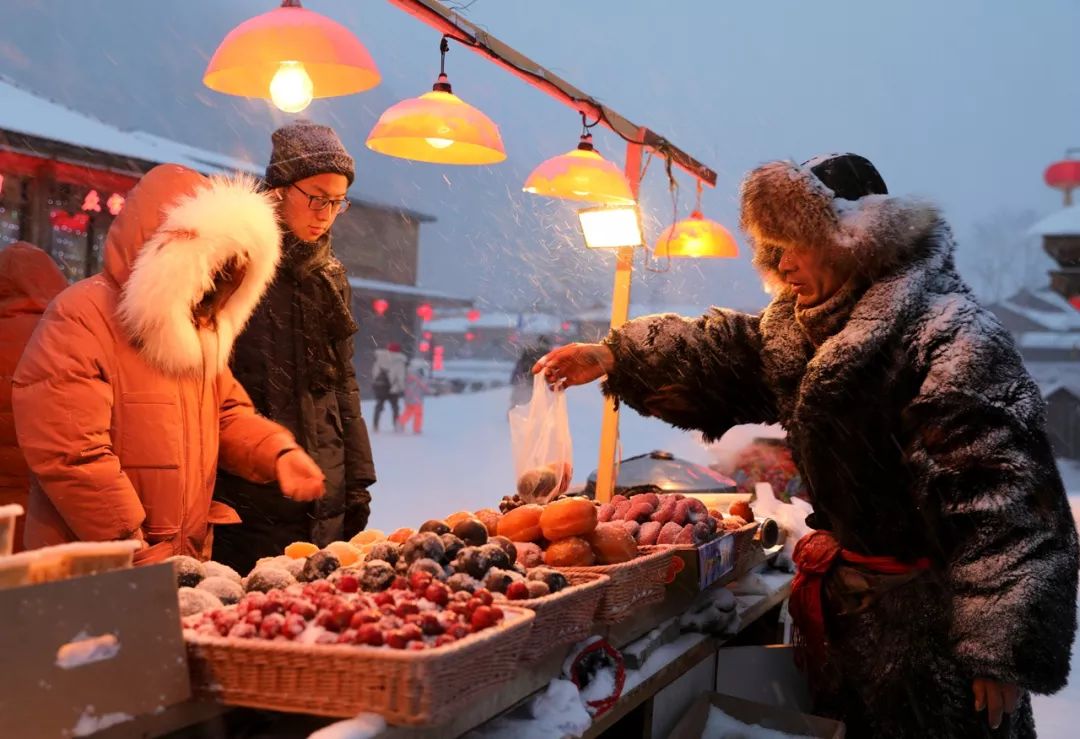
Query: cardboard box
[(707, 564), (757, 714), (763, 674), (82, 654)]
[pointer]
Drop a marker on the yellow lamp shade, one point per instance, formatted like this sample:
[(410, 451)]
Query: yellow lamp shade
[(291, 55), (696, 236), (437, 127), (583, 175)]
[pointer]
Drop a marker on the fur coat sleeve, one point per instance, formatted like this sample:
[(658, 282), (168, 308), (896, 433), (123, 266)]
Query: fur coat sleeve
[(976, 440), (704, 374)]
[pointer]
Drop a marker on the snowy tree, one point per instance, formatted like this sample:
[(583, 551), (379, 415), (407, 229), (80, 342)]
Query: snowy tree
[(1002, 256)]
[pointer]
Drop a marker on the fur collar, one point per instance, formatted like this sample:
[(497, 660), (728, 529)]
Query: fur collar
[(784, 204), (226, 218)]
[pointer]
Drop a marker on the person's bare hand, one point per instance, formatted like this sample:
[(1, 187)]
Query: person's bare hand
[(299, 477), (997, 698), (575, 364)]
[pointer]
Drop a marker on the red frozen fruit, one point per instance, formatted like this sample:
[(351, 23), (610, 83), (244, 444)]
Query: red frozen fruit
[(412, 632), (497, 613), (459, 608), (404, 609), (419, 580), (253, 617), (437, 594), (369, 634), (366, 616), (517, 591), (448, 620), (416, 646), (482, 618), (396, 640), (271, 625), (328, 637), (381, 599), (430, 625), (243, 630), (294, 625), (460, 631), (348, 636), (485, 597), (304, 608), (444, 639), (400, 583), (348, 583)]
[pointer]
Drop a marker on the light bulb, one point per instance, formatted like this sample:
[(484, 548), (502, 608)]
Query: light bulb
[(439, 143), (291, 89)]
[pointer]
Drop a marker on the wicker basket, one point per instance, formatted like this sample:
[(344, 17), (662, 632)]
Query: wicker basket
[(639, 582), (414, 688), (564, 617)]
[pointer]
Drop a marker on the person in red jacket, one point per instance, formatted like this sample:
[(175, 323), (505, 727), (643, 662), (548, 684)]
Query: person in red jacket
[(29, 280)]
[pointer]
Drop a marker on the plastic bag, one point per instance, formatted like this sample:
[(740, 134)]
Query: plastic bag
[(540, 439)]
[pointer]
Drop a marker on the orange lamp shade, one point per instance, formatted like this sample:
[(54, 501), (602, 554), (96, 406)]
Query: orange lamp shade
[(582, 175), (696, 236), (437, 127), (291, 55)]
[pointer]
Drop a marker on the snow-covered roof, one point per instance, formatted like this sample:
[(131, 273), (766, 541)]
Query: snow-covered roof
[(24, 112), (1065, 222), (1050, 340), (395, 288), (527, 323), (1045, 308)]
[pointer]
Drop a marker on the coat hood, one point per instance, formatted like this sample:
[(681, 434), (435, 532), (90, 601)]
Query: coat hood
[(178, 229), (29, 280), (785, 204)]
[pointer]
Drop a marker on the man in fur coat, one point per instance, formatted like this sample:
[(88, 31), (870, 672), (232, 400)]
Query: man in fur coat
[(124, 402), (938, 589)]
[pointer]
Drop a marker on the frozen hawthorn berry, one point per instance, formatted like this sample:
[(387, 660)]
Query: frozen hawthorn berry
[(404, 609), (484, 596), (271, 625), (348, 636), (517, 591), (381, 599), (253, 617), (482, 618), (429, 624), (369, 634), (497, 613), (416, 646), (419, 580), (460, 631), (400, 583), (443, 639), (294, 625), (348, 583), (396, 640), (437, 594), (243, 630), (412, 632)]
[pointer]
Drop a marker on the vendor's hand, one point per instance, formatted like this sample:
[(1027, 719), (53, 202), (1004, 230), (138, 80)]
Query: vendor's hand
[(299, 477), (997, 698), (575, 364), (356, 518)]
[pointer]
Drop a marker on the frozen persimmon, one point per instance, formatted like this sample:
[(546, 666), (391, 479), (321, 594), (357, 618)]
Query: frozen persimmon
[(570, 552), (522, 523), (613, 543), (300, 550), (568, 517)]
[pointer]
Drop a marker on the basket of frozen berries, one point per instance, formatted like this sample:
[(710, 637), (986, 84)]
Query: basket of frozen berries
[(411, 652), (565, 605)]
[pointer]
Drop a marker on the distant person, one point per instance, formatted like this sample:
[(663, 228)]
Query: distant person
[(416, 388), (521, 379), (29, 279), (296, 359), (388, 381), (124, 402)]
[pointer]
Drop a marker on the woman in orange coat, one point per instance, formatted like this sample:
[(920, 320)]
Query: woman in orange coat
[(124, 402), (29, 279)]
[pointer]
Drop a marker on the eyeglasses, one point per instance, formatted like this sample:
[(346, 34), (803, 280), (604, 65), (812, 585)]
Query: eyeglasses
[(320, 202)]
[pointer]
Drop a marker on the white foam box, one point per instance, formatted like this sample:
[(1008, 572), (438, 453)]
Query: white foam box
[(693, 723), (90, 652)]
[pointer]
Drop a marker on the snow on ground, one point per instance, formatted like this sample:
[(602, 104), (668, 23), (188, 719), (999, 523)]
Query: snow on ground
[(463, 461)]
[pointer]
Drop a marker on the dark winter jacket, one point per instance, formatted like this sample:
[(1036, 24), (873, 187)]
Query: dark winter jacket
[(918, 432), (278, 360)]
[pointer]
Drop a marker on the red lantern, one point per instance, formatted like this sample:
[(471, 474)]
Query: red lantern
[(92, 202), (473, 315), (427, 335), (115, 203), (380, 306), (437, 358), (425, 347), (470, 336), (566, 326), (425, 311)]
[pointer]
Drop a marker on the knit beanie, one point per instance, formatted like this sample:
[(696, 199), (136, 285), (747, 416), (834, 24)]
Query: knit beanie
[(303, 149)]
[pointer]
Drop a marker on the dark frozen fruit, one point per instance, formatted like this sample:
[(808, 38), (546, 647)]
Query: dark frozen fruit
[(529, 554), (216, 569), (189, 571), (510, 502), (319, 566), (497, 580), (428, 566), (265, 579), (700, 533), (194, 601), (427, 545), (384, 551), (493, 555), (463, 582), (506, 545), (226, 590), (435, 526), (451, 547), (377, 575), (470, 561), (471, 531), (554, 579)]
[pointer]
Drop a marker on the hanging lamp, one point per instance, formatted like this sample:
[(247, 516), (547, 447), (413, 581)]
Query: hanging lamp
[(290, 56), (438, 127), (581, 175), (696, 236)]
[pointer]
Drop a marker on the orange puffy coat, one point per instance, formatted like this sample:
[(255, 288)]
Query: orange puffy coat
[(29, 279), (124, 403)]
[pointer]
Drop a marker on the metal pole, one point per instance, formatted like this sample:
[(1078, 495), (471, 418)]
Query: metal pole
[(606, 469)]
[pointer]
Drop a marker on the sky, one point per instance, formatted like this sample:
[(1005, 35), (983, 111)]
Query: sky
[(964, 102)]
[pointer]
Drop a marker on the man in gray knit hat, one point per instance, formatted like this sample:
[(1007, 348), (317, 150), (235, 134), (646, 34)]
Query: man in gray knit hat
[(295, 359)]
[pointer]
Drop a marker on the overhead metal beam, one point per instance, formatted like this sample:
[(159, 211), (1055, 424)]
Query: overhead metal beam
[(452, 24)]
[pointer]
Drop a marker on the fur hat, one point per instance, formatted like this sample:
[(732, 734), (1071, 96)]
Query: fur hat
[(812, 204), (304, 149)]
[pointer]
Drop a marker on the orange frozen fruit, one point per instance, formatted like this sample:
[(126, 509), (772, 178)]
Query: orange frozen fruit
[(300, 550)]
